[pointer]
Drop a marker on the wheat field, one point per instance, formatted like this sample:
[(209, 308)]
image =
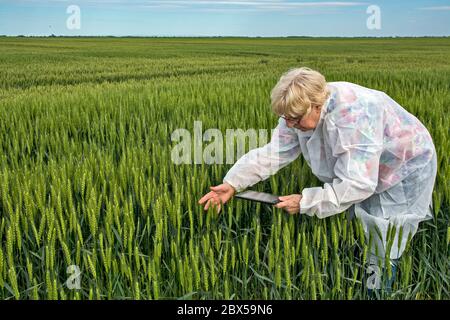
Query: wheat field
[(88, 188)]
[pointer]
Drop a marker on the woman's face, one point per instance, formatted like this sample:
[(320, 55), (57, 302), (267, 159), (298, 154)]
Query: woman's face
[(307, 122)]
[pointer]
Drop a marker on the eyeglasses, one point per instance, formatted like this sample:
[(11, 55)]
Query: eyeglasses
[(297, 119), (291, 119)]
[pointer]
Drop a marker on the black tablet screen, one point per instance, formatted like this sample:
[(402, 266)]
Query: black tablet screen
[(258, 196)]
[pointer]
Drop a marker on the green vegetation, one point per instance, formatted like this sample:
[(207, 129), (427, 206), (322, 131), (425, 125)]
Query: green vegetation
[(86, 177)]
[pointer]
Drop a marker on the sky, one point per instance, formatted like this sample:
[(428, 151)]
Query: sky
[(264, 18)]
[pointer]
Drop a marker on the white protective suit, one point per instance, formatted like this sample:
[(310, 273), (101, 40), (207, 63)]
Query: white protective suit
[(374, 158)]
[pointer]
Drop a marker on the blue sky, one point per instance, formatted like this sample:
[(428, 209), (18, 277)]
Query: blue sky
[(226, 17)]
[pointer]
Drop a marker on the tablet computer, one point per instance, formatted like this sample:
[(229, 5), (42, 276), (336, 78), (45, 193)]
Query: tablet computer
[(258, 197)]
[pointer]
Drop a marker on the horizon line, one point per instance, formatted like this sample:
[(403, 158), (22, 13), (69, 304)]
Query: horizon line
[(216, 36)]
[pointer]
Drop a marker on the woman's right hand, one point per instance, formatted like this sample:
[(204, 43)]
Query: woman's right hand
[(217, 196)]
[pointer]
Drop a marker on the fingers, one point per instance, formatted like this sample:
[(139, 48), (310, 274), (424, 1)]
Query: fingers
[(207, 205), (221, 194), (218, 188), (213, 199), (206, 197), (281, 205), (286, 207), (287, 204), (214, 203), (210, 201), (283, 202)]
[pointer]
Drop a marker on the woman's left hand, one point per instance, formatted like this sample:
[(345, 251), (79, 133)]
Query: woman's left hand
[(290, 203)]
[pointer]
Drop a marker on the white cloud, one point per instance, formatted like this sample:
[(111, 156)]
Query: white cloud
[(265, 3), (261, 5), (213, 5), (441, 8), (250, 3)]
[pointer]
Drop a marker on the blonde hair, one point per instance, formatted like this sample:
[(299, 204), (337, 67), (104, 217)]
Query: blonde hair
[(297, 91)]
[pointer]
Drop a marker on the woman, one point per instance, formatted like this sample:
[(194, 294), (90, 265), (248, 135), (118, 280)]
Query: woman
[(374, 158)]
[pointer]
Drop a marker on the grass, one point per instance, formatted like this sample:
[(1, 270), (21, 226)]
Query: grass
[(86, 175)]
